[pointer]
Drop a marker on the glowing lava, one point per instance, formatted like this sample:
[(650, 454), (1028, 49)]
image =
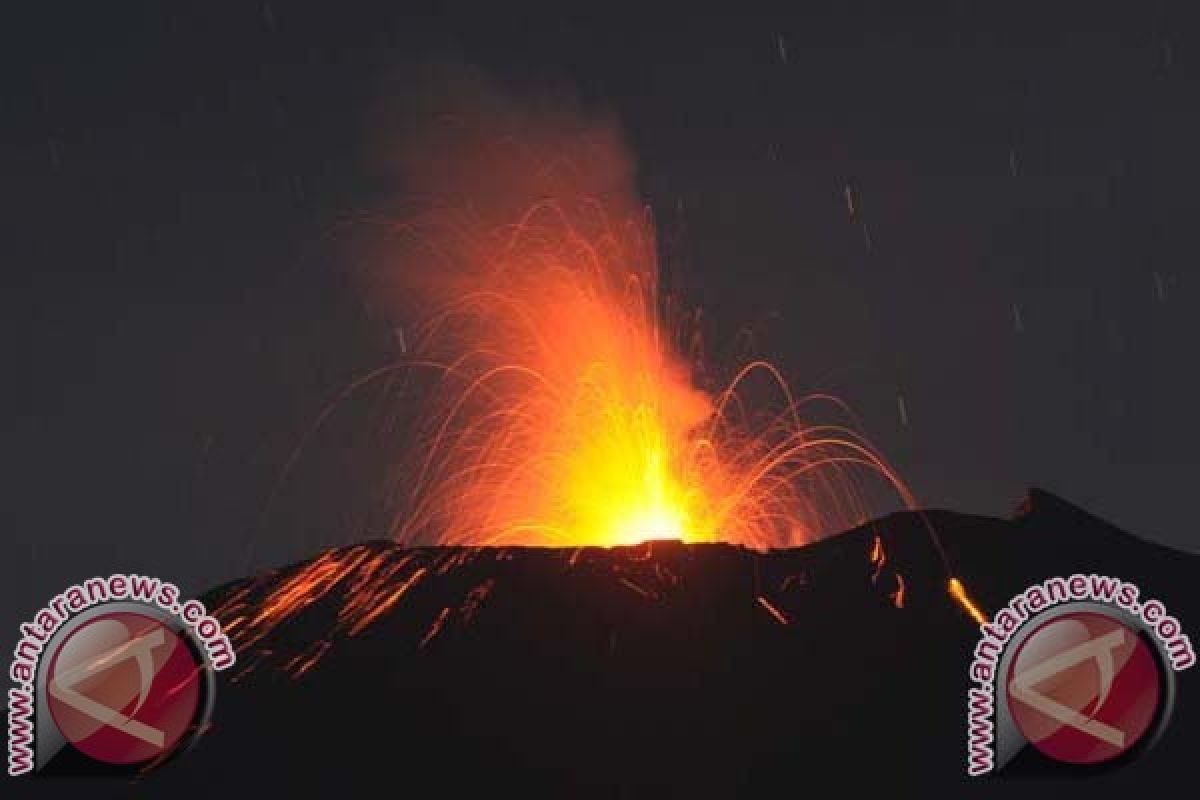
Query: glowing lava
[(550, 399), (563, 412)]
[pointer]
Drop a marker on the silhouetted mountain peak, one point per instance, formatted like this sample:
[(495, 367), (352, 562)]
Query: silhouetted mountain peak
[(1041, 502)]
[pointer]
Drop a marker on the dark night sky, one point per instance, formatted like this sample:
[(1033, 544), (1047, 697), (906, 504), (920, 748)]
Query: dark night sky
[(174, 173)]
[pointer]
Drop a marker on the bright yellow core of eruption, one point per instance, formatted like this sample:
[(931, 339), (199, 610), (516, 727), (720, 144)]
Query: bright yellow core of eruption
[(621, 490)]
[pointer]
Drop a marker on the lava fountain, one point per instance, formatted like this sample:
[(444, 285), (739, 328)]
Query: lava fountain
[(549, 400), (564, 412)]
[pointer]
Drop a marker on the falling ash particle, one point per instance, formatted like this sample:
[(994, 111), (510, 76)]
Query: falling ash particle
[(903, 408), (636, 588), (1160, 287), (877, 557), (1018, 320), (779, 40), (435, 629), (898, 595), (778, 615)]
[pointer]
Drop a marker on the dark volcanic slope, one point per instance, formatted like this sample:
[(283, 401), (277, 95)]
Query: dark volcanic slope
[(657, 670)]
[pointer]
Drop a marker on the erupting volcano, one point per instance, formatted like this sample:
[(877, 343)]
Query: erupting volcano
[(552, 396), (435, 445), (551, 420)]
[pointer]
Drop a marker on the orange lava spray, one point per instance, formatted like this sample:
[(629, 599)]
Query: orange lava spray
[(563, 411), (546, 398)]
